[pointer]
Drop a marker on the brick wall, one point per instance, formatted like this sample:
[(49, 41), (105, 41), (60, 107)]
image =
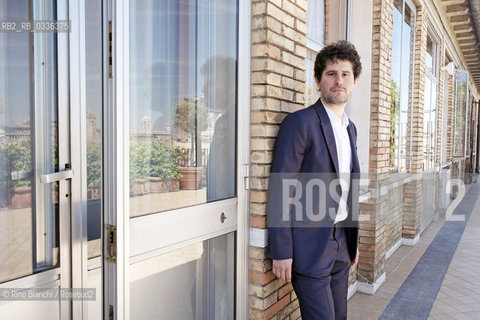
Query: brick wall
[(393, 223), (372, 244), (450, 120), (277, 85), (440, 110), (413, 189), (277, 88)]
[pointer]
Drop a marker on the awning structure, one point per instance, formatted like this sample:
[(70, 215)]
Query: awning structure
[(464, 22)]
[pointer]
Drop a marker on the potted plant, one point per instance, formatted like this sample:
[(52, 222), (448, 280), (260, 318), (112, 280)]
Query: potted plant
[(191, 116), (139, 166), (164, 175), (18, 154)]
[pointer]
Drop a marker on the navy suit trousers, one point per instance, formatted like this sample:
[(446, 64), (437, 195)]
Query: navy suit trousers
[(324, 297)]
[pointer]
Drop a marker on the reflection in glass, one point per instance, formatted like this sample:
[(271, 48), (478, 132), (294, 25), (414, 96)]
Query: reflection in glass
[(401, 93), (94, 119), (316, 20), (312, 94), (194, 282), (182, 103), (430, 105), (28, 144), (460, 112), (429, 123)]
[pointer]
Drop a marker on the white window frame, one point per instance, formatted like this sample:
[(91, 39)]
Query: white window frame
[(434, 77), (409, 156)]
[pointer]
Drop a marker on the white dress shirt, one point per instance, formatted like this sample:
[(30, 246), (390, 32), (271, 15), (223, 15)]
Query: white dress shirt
[(344, 155)]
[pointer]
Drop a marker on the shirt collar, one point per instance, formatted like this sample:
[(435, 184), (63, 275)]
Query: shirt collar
[(333, 118)]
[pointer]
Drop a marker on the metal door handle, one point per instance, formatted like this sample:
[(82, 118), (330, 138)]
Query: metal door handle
[(57, 176), (223, 217)]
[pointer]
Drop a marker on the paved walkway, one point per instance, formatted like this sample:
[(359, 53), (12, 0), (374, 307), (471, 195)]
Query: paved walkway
[(437, 279)]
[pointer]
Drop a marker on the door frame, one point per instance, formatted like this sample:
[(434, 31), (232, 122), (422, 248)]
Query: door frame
[(59, 276), (78, 143), (116, 179)]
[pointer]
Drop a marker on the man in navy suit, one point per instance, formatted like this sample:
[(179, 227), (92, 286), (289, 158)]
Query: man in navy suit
[(313, 191)]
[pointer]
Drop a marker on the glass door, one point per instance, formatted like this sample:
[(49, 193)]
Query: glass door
[(175, 175), (182, 158), (34, 163)]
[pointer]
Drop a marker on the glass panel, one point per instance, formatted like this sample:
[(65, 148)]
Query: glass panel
[(312, 94), (429, 127), (461, 98), (194, 282), (429, 55), (316, 20), (28, 143), (395, 86), (402, 72), (94, 119), (182, 103)]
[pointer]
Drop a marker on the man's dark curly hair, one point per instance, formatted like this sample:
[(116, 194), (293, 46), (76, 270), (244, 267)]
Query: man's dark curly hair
[(342, 50)]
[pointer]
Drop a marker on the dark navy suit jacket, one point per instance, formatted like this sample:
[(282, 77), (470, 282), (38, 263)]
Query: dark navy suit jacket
[(305, 145)]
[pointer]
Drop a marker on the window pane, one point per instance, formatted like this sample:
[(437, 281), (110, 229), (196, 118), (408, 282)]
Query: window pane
[(429, 55), (93, 43), (429, 127), (312, 93), (401, 93), (316, 20), (182, 103), (28, 144), (194, 282), (461, 98)]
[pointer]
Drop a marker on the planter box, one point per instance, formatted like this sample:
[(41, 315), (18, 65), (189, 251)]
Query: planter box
[(191, 177), (138, 188), (20, 197), (159, 185)]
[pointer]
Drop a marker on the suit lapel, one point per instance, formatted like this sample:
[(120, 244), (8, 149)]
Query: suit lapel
[(327, 132), (353, 146)]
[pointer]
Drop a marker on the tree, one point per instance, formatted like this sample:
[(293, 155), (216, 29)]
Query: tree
[(191, 116), (94, 167)]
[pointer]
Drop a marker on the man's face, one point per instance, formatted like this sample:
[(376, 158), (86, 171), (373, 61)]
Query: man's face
[(337, 82)]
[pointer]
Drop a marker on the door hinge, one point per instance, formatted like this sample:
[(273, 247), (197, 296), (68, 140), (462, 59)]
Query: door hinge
[(111, 236), (110, 59), (110, 313), (246, 176)]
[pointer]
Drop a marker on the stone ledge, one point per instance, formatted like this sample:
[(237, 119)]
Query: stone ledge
[(371, 288), (258, 237)]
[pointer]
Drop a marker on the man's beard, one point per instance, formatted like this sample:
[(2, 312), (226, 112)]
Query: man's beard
[(336, 98)]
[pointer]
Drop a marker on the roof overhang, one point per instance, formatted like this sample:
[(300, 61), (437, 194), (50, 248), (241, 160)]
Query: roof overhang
[(464, 22)]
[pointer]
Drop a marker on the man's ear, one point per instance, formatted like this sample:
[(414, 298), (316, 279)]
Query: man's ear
[(317, 82)]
